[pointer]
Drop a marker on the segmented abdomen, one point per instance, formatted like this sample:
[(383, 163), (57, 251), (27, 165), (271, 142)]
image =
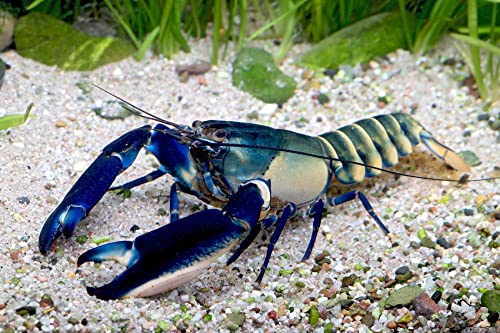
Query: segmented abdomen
[(377, 141)]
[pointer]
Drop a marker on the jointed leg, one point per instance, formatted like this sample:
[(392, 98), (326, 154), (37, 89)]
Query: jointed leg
[(357, 194), (317, 209)]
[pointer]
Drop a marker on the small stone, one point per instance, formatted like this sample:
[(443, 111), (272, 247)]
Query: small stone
[(29, 325), (427, 242), (425, 305), (443, 243), (402, 270), (254, 115), (329, 328), (406, 318), (468, 211), (61, 123), (403, 278), (436, 296), (134, 228), (330, 72), (328, 281), (493, 318), (197, 68), (422, 320), (495, 125), (491, 300), (349, 280), (313, 316), (26, 310), (403, 274), (415, 245), (483, 117), (470, 158), (323, 99), (391, 325), (481, 200), (236, 318), (346, 303), (80, 166), (403, 296), (368, 320), (23, 200)]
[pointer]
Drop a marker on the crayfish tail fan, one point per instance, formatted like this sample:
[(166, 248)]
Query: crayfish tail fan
[(446, 154)]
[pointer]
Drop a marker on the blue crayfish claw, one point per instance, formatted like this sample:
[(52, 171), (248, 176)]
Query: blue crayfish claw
[(169, 256), (91, 186)]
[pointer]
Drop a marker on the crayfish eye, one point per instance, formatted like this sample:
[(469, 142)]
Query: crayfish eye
[(219, 135), (196, 123)]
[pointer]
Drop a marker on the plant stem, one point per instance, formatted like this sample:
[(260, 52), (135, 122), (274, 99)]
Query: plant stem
[(474, 50), (216, 31)]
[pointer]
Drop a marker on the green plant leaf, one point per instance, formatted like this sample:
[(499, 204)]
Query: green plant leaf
[(477, 42), (34, 4), (290, 11), (14, 120), (147, 43)]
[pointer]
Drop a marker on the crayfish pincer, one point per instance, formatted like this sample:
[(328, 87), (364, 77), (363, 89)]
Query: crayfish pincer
[(171, 255)]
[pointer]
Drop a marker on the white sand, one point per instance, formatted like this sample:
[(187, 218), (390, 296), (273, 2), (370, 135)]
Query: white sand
[(41, 162)]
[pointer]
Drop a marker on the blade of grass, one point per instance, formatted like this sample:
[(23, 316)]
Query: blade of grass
[(148, 41), (243, 23), (216, 31), (492, 71), (277, 20), (441, 17), (164, 47), (406, 24), (196, 19), (478, 43), (288, 29), (229, 35), (34, 4), (481, 30), (474, 49), (123, 24)]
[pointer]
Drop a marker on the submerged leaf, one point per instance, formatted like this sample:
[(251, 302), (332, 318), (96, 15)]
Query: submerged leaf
[(403, 296), (13, 120)]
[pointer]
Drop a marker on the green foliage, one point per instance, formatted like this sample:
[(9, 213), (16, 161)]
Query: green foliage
[(156, 23), (65, 46), (433, 20), (165, 25), (360, 42), (14, 120), (482, 26), (486, 76), (66, 10), (5, 6)]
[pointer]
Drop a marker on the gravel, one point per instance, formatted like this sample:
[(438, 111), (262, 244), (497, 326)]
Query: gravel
[(43, 158)]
